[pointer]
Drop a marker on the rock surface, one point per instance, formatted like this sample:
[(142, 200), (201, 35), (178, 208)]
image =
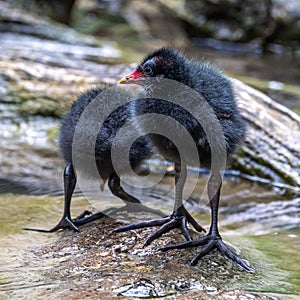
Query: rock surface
[(106, 265), (263, 23)]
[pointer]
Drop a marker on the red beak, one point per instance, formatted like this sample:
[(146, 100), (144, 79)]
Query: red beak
[(133, 77)]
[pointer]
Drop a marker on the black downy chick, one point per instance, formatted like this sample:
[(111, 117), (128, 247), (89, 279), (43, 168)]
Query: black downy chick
[(217, 91), (98, 151)]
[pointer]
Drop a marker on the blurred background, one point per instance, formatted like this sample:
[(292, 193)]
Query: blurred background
[(256, 41)]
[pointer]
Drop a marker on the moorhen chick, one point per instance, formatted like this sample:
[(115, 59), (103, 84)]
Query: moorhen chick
[(216, 90), (89, 140)]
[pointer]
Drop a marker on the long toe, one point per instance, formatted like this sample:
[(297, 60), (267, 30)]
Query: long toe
[(67, 224), (193, 222), (225, 251), (151, 223), (215, 242), (209, 243), (82, 215), (185, 230), (64, 224), (179, 219), (210, 246), (163, 229), (84, 220), (185, 245)]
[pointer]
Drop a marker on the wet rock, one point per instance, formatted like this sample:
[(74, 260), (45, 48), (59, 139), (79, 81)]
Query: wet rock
[(269, 148), (139, 273), (262, 22), (59, 10), (155, 28)]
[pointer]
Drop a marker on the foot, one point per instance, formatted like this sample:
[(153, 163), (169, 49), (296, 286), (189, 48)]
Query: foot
[(210, 242), (67, 223), (87, 216), (178, 219)]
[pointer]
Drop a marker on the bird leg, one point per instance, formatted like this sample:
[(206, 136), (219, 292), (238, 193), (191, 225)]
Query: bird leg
[(66, 221), (131, 203), (213, 239), (179, 218)]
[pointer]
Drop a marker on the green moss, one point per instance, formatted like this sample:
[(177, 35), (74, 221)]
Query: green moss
[(27, 207), (87, 24), (283, 250), (248, 162), (52, 133), (42, 106)]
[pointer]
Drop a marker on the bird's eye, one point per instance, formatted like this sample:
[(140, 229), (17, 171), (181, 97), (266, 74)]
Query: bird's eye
[(147, 70)]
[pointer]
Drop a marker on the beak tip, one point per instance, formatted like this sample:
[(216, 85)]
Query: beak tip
[(122, 80)]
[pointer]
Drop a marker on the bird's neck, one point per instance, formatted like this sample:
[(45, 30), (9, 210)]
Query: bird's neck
[(184, 74)]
